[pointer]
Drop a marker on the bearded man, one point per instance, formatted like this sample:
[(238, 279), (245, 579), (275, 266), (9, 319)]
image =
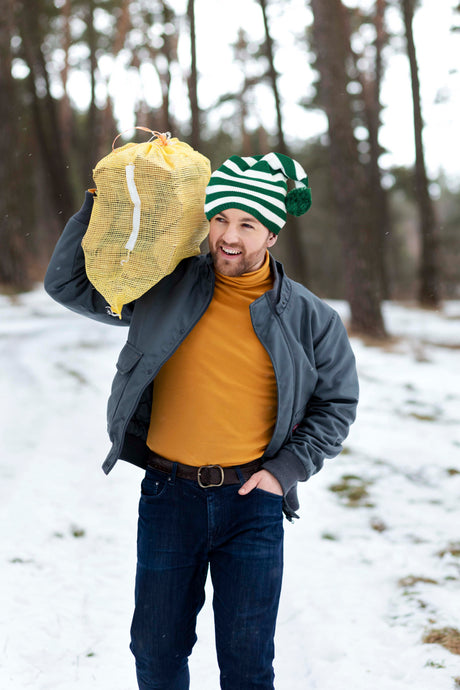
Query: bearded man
[(234, 384)]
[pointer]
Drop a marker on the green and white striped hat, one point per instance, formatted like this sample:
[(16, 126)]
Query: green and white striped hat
[(257, 184)]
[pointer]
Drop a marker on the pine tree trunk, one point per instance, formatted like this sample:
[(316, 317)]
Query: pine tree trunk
[(371, 98), (169, 55), (45, 117), (351, 188), (92, 134), (193, 81), (298, 264), (429, 292), (15, 211)]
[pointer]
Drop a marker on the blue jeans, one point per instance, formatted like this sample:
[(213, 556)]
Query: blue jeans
[(184, 529)]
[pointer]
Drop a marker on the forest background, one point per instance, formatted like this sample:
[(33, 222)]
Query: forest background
[(74, 73)]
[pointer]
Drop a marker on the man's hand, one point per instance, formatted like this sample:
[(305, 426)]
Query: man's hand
[(262, 480)]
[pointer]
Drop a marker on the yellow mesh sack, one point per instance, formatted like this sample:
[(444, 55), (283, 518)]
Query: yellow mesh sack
[(148, 215)]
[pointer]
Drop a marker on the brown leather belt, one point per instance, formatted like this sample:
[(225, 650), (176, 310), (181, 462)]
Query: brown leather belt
[(206, 475)]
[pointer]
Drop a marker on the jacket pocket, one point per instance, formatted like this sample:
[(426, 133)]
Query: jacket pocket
[(128, 359), (297, 419)]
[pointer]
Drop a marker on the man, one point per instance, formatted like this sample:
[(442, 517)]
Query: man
[(235, 383)]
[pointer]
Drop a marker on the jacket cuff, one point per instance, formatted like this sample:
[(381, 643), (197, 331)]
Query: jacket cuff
[(287, 468), (84, 214)]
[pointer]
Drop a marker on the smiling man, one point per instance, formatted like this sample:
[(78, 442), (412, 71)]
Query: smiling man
[(235, 383), (238, 242)]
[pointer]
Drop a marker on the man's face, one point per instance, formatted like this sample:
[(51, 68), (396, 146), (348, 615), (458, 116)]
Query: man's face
[(238, 242)]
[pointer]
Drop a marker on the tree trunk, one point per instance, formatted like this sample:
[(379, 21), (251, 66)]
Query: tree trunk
[(65, 106), (352, 192), (294, 244), (45, 115), (15, 213), (193, 81), (273, 78), (244, 134), (108, 124), (371, 98), (92, 134), (169, 52), (429, 270)]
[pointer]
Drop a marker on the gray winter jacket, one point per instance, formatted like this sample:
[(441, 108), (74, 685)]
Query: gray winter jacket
[(307, 343)]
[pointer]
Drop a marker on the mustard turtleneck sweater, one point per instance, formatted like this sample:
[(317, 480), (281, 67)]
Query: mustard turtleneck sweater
[(215, 399)]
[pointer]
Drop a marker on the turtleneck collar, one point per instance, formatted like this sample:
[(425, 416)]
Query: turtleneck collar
[(251, 279)]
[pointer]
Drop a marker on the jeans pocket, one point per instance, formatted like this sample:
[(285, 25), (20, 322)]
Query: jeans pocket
[(153, 485), (268, 493)]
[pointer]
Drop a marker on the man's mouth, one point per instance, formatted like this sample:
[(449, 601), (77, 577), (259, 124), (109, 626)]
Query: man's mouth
[(230, 252)]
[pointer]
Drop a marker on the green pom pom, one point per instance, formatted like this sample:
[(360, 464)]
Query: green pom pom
[(298, 201)]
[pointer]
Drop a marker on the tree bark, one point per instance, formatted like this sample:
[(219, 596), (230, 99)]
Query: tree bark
[(169, 51), (294, 244), (45, 115), (371, 86), (193, 81), (351, 189), (15, 214), (65, 107), (429, 290), (92, 134), (273, 76)]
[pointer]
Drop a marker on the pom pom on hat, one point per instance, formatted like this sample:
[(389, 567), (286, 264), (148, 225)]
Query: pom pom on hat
[(298, 200), (258, 185)]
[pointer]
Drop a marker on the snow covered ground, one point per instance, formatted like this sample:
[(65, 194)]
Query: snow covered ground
[(372, 565)]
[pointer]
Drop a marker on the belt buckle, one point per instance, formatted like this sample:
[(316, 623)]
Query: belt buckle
[(207, 486)]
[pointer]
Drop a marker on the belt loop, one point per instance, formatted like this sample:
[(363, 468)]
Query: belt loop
[(240, 475), (172, 476)]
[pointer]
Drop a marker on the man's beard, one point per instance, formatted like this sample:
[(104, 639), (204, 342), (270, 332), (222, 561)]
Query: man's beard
[(229, 267)]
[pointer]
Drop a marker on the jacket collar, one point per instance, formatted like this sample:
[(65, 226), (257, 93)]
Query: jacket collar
[(280, 293)]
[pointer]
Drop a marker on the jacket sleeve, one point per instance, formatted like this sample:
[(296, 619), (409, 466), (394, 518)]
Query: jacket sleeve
[(66, 280), (329, 413)]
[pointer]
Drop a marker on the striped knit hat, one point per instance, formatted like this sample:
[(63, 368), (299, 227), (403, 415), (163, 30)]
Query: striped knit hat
[(257, 184)]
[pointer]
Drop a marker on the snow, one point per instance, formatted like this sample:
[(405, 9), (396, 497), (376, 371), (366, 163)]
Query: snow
[(68, 532)]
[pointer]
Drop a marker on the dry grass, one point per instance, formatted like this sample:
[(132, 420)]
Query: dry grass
[(412, 580), (329, 537), (452, 471), (453, 548), (378, 525), (449, 638), (423, 417), (353, 489)]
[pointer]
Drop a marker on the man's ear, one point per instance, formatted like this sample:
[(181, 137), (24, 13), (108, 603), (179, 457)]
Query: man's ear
[(271, 239)]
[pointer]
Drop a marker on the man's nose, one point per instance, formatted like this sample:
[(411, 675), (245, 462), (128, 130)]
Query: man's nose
[(231, 235)]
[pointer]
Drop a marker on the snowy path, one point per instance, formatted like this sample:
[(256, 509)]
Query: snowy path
[(67, 549)]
